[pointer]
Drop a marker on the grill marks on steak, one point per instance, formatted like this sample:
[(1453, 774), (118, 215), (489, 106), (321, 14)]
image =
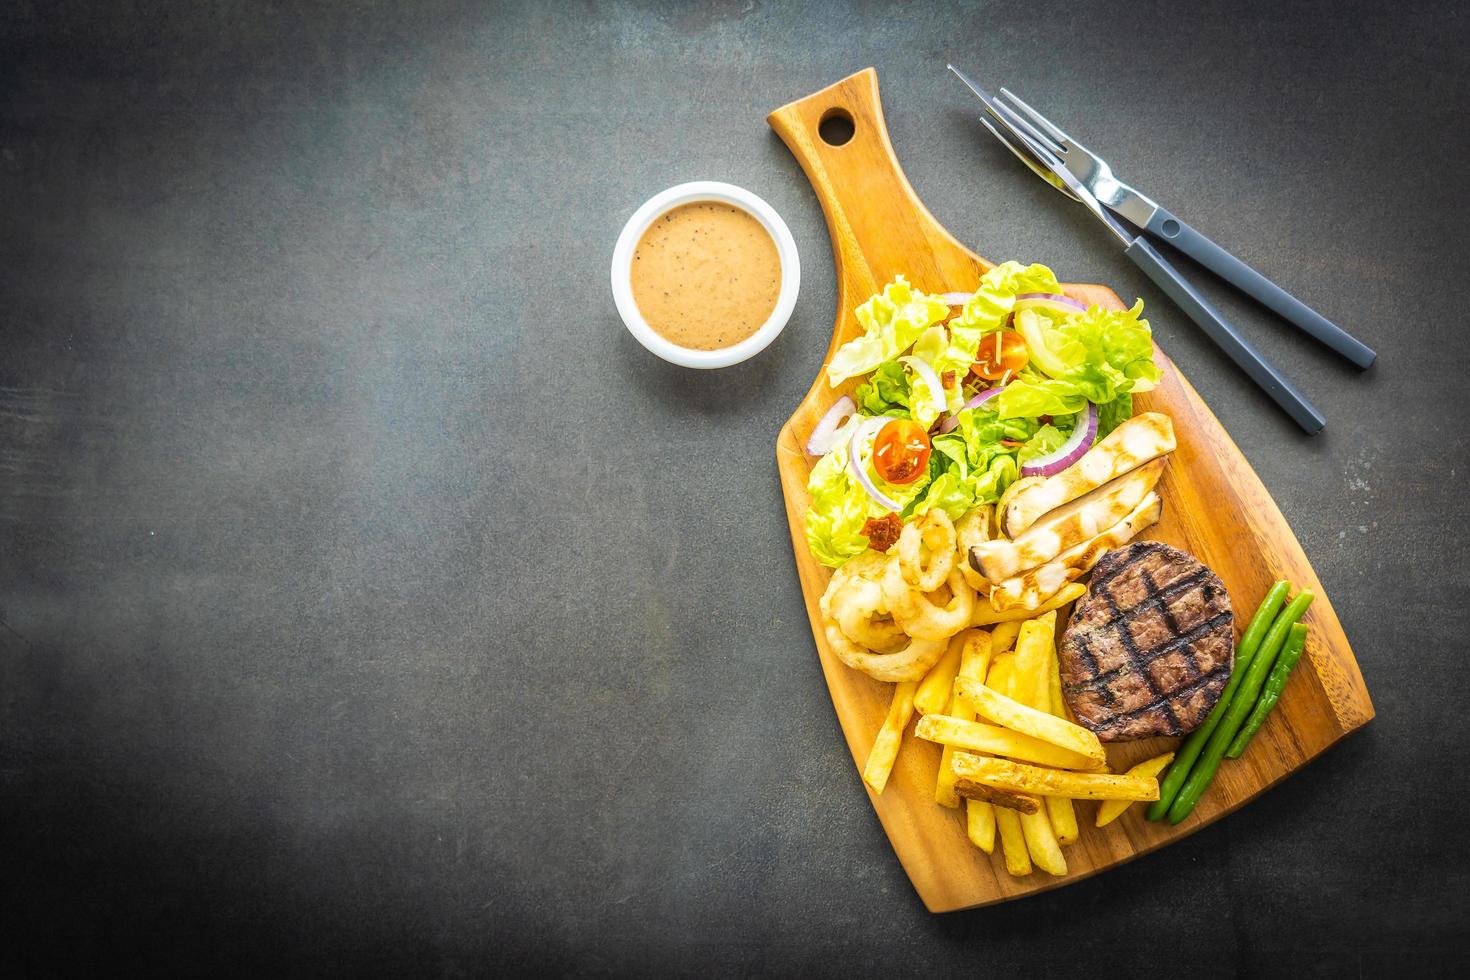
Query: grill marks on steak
[(1150, 647)]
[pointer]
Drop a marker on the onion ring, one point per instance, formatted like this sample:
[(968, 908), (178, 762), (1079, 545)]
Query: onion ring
[(909, 664), (936, 531), (969, 531), (869, 565), (923, 617), (862, 615)]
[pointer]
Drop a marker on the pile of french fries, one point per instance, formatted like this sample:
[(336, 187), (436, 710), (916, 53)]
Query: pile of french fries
[(1010, 751)]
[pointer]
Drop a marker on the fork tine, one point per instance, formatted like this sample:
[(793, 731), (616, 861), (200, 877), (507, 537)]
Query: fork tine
[(1023, 153), (1012, 144), (1037, 144), (1051, 128), (1016, 121)]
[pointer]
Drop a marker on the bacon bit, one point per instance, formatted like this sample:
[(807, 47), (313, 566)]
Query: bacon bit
[(882, 532), (947, 379)]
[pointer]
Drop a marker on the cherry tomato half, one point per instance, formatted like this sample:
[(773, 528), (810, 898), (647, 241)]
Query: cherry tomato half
[(1000, 352), (901, 451)]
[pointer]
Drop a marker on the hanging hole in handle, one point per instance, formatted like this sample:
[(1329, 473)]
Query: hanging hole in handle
[(836, 127), (1171, 228)]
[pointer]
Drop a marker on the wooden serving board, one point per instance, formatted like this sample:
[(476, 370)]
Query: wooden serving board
[(1214, 507)]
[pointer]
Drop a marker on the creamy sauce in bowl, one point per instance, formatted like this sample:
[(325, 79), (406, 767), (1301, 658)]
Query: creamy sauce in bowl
[(706, 275)]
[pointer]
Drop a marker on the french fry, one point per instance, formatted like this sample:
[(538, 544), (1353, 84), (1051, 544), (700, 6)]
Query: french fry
[(974, 661), (985, 613), (890, 737), (976, 736), (1063, 817), (1019, 802), (1003, 636), (1041, 841), (1018, 777), (1033, 657), (1060, 809), (975, 655), (1113, 809), (944, 793), (998, 678), (933, 693), (1036, 829), (1010, 713), (1012, 842), (980, 824)]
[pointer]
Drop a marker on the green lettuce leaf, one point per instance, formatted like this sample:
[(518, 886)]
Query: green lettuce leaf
[(1048, 439), (1100, 353), (1035, 395), (996, 295), (984, 433), (886, 392), (976, 459), (991, 482), (1112, 414), (949, 469), (948, 492), (892, 320), (958, 486)]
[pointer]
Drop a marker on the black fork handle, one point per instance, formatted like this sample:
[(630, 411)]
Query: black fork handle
[(1225, 336)]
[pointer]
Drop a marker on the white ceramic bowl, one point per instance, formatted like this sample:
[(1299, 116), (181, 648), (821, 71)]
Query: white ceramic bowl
[(622, 270)]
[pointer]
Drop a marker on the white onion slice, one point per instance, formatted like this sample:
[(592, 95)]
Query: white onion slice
[(823, 436), (925, 370), (956, 299), (1072, 450), (854, 462), (953, 422)]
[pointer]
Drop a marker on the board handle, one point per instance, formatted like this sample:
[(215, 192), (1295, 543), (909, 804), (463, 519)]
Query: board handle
[(839, 138)]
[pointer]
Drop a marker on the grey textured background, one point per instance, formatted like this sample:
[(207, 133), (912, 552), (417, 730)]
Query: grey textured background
[(372, 601)]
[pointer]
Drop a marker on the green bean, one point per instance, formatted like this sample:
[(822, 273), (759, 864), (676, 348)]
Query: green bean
[(1271, 693), (1203, 772), (1189, 749)]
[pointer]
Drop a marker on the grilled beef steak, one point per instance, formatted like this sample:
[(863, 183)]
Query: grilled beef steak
[(1150, 646)]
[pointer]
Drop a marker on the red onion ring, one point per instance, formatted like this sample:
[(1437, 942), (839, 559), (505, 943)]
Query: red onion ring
[(1072, 450), (953, 422), (955, 299), (820, 444)]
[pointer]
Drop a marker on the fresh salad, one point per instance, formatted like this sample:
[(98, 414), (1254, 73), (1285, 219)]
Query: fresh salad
[(952, 409)]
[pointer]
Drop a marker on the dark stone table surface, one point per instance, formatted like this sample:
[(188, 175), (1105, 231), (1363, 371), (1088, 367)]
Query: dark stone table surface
[(372, 602)]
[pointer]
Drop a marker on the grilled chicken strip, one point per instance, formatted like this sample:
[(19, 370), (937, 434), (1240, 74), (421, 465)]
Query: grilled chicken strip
[(1130, 445)]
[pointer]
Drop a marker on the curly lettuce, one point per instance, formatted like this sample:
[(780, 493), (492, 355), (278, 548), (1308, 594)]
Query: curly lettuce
[(885, 393), (995, 298), (892, 320), (1033, 395), (1048, 439), (1112, 414), (1099, 354), (956, 486)]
